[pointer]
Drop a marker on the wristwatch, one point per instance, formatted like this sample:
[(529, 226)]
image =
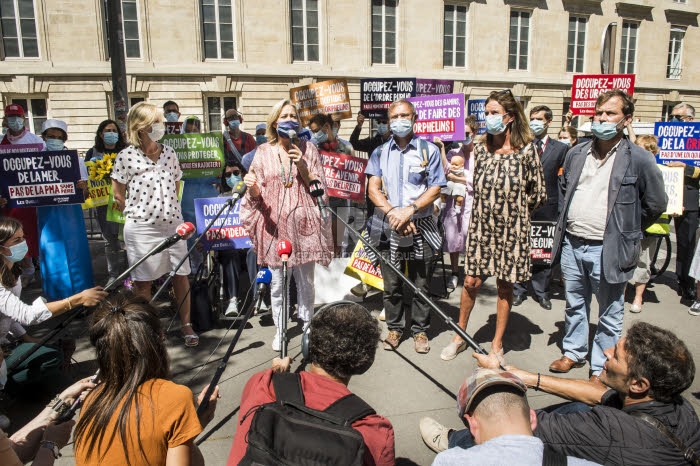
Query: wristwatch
[(415, 208), (53, 446)]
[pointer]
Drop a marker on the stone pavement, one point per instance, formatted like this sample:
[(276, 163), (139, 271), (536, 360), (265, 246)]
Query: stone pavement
[(403, 385)]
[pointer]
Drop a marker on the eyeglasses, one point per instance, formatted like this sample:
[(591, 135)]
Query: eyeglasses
[(676, 118), (234, 173)]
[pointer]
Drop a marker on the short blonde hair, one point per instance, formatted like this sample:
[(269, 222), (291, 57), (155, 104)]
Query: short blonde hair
[(648, 142), (141, 115), (273, 116)]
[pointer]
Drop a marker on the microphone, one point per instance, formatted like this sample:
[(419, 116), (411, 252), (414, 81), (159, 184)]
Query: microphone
[(183, 231), (68, 415), (239, 190), (262, 281), (316, 190), (284, 249)]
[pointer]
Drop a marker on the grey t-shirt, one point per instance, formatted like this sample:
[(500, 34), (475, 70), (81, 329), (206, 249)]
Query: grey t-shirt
[(504, 450)]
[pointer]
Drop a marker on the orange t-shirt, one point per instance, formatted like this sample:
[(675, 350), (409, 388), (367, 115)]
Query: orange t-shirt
[(168, 419)]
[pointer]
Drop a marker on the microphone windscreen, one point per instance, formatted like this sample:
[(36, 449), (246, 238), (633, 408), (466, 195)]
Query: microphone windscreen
[(264, 276), (284, 247), (239, 189), (292, 134), (185, 229)]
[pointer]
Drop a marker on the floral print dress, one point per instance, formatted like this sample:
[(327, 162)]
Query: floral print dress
[(507, 187)]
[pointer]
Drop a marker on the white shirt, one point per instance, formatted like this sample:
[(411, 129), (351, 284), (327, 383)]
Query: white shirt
[(152, 193), (13, 309)]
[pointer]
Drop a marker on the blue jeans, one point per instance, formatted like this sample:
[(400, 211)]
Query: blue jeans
[(581, 269)]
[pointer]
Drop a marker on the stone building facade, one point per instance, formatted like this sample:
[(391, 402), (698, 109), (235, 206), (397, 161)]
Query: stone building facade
[(210, 54)]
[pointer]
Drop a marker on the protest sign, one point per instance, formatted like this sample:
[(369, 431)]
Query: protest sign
[(476, 107), (20, 148), (226, 232), (173, 127), (673, 184), (377, 94), (345, 175), (587, 87), (439, 116), (200, 155), (434, 86), (98, 193), (361, 267), (541, 242), (678, 142), (34, 179), (330, 97)]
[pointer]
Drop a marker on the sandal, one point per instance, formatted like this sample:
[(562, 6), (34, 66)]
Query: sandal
[(191, 340)]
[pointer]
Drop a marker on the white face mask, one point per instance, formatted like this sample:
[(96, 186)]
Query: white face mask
[(157, 132)]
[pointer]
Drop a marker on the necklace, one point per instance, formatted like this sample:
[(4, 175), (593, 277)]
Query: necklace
[(286, 181), (152, 153)]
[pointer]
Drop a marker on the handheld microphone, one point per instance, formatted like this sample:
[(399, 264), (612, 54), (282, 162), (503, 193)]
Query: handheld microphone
[(284, 249), (262, 281), (316, 190), (68, 415), (183, 231), (239, 190)]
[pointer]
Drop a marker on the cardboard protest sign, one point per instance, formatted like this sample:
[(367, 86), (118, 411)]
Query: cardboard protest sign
[(439, 116), (34, 179), (99, 193), (20, 148), (678, 142), (330, 97), (587, 87), (673, 184), (227, 232), (541, 242), (201, 155), (434, 86), (361, 267), (377, 94), (476, 107), (345, 175), (173, 127)]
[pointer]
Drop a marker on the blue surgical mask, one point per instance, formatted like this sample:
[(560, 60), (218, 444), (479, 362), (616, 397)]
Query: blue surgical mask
[(54, 144), (110, 139), (320, 137), (15, 123), (261, 139), (566, 141), (605, 130), (335, 131), (382, 128), (232, 180), (467, 141), (537, 127), (171, 117), (494, 124), (401, 128), (4, 130), (284, 127), (17, 252), (234, 124)]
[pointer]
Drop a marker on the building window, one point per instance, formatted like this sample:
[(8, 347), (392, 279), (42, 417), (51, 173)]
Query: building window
[(217, 27), (679, 1), (130, 25), (576, 45), (564, 110), (304, 30), (384, 32), (19, 29), (628, 47), (667, 109), (455, 36), (675, 51), (216, 109), (519, 38), (134, 100), (34, 113)]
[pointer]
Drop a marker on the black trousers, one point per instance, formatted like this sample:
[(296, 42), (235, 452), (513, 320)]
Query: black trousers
[(686, 227), (541, 279)]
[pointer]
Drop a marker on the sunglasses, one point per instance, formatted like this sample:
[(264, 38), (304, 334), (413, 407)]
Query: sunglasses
[(675, 118), (505, 91), (236, 173)]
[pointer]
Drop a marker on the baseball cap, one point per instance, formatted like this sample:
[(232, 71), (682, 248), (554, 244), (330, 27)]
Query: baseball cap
[(260, 126), (481, 379), (14, 110), (55, 124)]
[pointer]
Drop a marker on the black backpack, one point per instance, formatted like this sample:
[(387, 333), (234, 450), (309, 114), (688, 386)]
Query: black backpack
[(286, 432)]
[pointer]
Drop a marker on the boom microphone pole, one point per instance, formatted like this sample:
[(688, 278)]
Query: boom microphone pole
[(387, 263), (262, 281), (284, 249)]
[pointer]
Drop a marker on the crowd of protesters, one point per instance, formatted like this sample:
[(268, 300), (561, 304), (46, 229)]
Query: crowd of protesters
[(473, 198)]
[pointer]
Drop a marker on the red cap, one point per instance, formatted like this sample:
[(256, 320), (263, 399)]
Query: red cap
[(284, 247), (14, 110)]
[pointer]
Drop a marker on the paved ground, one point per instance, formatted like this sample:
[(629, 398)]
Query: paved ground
[(402, 385)]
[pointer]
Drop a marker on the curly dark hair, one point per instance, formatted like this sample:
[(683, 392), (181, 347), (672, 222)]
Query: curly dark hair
[(660, 357), (343, 340)]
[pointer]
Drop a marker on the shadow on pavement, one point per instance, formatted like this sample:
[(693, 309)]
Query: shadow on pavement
[(518, 336)]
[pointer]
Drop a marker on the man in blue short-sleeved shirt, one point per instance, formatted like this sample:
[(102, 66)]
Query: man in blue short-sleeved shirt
[(406, 178)]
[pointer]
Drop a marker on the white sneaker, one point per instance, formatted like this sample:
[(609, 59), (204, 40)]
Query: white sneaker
[(434, 434), (452, 284), (276, 342), (695, 308), (232, 309), (382, 315)]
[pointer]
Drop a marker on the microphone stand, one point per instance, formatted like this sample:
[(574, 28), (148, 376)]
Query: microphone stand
[(230, 203), (284, 315), (387, 263)]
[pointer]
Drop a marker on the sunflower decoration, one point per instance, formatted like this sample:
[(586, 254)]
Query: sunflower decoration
[(101, 169)]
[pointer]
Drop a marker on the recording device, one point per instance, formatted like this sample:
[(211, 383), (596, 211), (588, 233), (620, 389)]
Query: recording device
[(284, 249), (262, 283), (238, 191), (183, 231), (68, 415), (316, 190)]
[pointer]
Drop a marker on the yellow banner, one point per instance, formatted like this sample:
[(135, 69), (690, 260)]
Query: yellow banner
[(99, 193), (361, 268)]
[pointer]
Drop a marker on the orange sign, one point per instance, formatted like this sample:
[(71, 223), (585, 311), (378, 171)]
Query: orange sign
[(329, 97)]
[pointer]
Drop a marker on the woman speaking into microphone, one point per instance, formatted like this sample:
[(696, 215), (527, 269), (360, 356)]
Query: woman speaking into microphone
[(150, 173), (278, 206)]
